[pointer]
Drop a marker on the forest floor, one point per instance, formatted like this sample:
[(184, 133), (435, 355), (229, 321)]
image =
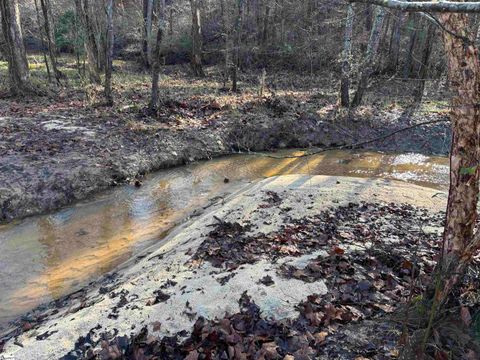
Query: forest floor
[(292, 267), (58, 148)]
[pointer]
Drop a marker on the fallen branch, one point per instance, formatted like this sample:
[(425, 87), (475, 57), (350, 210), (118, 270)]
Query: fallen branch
[(349, 146)]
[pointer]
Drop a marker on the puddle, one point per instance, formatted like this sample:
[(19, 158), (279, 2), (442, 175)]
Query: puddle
[(45, 257)]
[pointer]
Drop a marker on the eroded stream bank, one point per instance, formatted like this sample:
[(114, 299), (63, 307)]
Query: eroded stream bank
[(45, 257), (49, 161)]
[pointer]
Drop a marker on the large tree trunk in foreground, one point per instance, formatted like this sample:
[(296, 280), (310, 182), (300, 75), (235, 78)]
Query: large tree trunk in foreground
[(346, 58), (52, 48), (109, 54), (369, 61), (90, 41), (153, 106), (197, 42), (14, 48), (464, 75)]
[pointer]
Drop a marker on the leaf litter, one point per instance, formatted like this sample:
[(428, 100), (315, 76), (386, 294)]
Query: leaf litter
[(376, 257)]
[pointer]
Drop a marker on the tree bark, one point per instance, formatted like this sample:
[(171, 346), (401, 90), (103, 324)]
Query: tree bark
[(346, 57), (42, 40), (197, 41), (238, 35), (14, 48), (226, 40), (153, 105), (394, 50), (147, 31), (90, 41), (407, 66), (109, 54), (464, 75), (369, 62), (50, 36), (423, 71)]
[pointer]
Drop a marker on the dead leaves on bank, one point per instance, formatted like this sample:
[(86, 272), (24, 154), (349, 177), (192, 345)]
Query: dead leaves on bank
[(375, 257)]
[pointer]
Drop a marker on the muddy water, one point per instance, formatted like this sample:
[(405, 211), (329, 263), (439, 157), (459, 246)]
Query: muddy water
[(44, 257)]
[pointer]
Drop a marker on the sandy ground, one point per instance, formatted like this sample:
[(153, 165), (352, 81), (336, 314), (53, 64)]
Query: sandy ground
[(168, 288)]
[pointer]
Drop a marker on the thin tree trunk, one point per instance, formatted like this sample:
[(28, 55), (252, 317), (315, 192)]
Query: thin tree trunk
[(394, 50), (411, 46), (153, 106), (50, 36), (238, 34), (14, 48), (423, 71), (42, 40), (109, 54), (226, 37), (369, 62), (346, 57), (90, 41), (147, 31), (197, 42)]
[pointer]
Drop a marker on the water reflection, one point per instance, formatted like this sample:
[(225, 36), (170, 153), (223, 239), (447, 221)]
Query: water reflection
[(44, 257)]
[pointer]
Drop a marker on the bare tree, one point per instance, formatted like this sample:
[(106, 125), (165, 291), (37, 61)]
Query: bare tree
[(346, 58), (369, 62), (50, 36), (423, 71), (147, 31), (394, 49), (197, 41), (407, 67), (238, 37), (153, 106), (82, 8), (14, 47), (42, 40), (109, 54)]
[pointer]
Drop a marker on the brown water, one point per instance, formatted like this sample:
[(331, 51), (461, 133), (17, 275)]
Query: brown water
[(44, 257)]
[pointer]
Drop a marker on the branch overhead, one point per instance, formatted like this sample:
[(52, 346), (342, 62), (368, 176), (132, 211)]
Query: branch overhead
[(429, 6)]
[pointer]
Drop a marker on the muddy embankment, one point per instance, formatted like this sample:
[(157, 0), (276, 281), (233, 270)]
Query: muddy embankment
[(48, 161)]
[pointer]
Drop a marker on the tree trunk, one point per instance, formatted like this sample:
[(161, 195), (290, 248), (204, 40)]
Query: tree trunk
[(147, 31), (90, 41), (407, 67), (423, 71), (50, 36), (153, 106), (464, 74), (346, 57), (14, 48), (369, 62), (42, 40), (238, 34), (197, 42), (394, 50), (226, 37), (109, 54)]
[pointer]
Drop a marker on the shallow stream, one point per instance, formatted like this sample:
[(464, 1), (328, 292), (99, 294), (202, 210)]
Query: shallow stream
[(47, 256)]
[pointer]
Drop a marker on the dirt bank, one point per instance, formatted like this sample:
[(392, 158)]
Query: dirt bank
[(51, 159), (323, 260)]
